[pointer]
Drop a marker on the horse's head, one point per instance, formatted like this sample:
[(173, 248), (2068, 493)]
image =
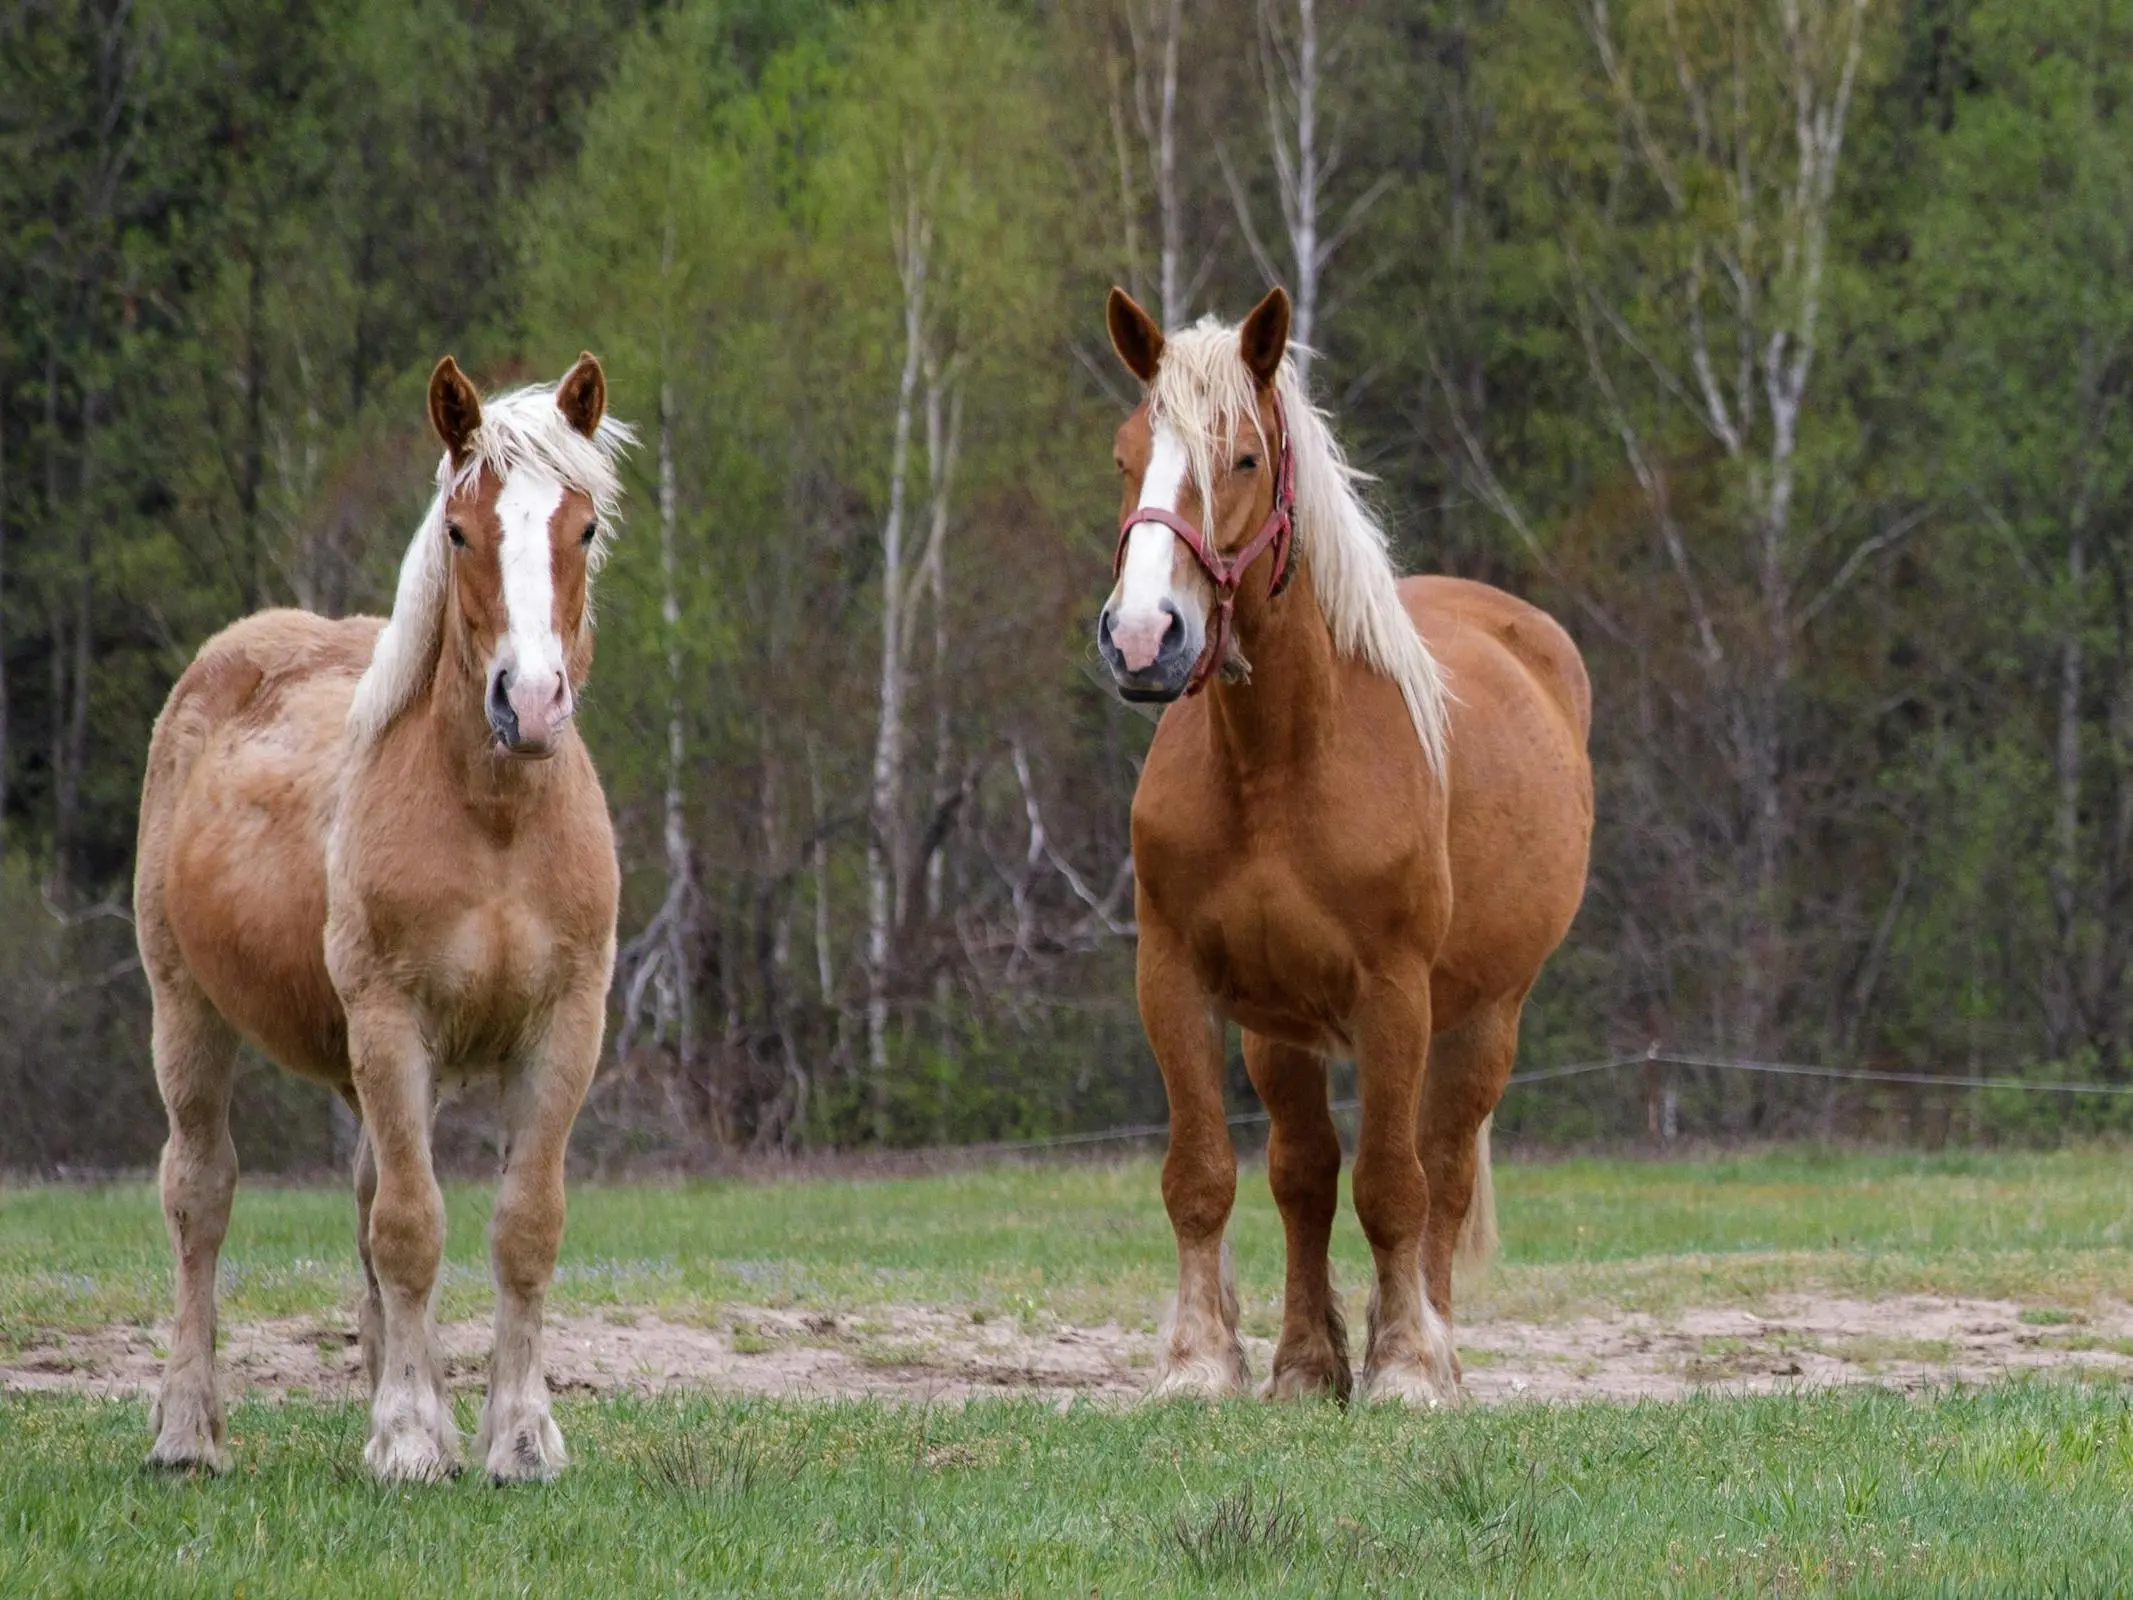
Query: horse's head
[(1205, 498), (522, 539)]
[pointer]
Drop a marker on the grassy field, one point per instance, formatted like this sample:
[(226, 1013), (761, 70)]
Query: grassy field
[(2022, 1488), (1088, 1244)]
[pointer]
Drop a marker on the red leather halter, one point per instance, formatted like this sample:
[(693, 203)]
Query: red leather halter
[(1227, 572)]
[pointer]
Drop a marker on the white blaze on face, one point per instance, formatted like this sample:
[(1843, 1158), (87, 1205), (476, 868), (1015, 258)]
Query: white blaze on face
[(1138, 620), (531, 647)]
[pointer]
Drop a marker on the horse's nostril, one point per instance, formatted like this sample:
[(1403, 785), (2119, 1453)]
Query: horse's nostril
[(503, 720)]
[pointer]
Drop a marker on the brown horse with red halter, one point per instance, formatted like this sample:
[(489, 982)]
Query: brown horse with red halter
[(1363, 838), (1227, 572)]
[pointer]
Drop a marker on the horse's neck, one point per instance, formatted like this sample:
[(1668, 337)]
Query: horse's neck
[(1283, 715), (454, 737)]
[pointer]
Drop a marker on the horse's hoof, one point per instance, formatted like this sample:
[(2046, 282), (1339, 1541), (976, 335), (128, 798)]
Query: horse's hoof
[(530, 1450), (187, 1454), (188, 1436), (410, 1454), (1412, 1384), (412, 1438), (1319, 1376), (1218, 1375)]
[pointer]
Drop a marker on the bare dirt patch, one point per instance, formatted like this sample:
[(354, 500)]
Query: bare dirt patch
[(917, 1353), (1793, 1341)]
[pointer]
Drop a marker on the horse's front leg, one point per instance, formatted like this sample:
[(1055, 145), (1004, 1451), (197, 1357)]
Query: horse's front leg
[(1408, 1353), (1197, 1352), (412, 1435), (518, 1439), (1303, 1164)]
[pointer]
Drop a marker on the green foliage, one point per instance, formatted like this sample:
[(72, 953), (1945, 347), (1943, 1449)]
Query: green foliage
[(1864, 737)]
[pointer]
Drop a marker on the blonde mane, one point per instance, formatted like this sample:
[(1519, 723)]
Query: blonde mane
[(521, 429), (1202, 392)]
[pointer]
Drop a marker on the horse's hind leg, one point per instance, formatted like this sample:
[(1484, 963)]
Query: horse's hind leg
[(1303, 1160), (370, 1320), (412, 1436), (1468, 1068), (518, 1439), (1197, 1350), (195, 1058)]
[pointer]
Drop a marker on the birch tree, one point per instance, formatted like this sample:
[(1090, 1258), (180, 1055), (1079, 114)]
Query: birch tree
[(1298, 65), (1149, 142), (661, 291), (886, 836), (2031, 376), (1709, 313), (947, 163)]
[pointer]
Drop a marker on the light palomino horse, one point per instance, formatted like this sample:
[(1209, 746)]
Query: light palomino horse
[(380, 852), (1365, 837)]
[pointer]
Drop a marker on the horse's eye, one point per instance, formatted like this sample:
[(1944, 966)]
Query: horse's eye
[(1247, 463), (453, 532), (592, 532)]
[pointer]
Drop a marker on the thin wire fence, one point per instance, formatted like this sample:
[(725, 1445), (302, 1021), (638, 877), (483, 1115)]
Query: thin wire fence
[(1579, 1069)]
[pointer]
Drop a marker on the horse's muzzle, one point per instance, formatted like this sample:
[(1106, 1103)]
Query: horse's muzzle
[(527, 727), (1162, 679)]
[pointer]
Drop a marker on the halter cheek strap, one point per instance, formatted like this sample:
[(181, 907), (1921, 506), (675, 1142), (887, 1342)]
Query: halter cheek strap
[(1227, 572)]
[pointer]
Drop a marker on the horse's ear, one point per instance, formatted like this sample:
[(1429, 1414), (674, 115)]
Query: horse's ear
[(1134, 335), (1264, 338), (455, 409), (582, 395)]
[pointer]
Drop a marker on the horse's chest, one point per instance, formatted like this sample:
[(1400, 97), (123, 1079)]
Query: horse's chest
[(494, 979), (1267, 945)]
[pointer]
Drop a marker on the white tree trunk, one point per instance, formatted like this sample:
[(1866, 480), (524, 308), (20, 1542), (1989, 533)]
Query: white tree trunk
[(1769, 284), (674, 829), (655, 968), (1129, 205), (1155, 96), (818, 854), (1166, 172), (885, 852), (2063, 1007), (944, 434), (1303, 226), (1293, 60)]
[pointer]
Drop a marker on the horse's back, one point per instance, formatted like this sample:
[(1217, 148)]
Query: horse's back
[(1519, 822), (230, 880), (1450, 611)]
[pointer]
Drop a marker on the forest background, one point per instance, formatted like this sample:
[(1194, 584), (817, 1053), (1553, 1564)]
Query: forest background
[(1781, 347)]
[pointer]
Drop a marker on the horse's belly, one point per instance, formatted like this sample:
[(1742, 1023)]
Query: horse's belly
[(1275, 960), (246, 899)]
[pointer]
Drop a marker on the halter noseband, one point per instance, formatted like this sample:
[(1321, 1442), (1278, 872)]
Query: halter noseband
[(1227, 572)]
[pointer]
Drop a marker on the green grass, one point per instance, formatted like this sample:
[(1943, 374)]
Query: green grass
[(1087, 1244), (2020, 1490)]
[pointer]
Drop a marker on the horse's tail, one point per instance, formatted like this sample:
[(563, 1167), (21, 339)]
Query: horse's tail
[(1477, 1235)]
